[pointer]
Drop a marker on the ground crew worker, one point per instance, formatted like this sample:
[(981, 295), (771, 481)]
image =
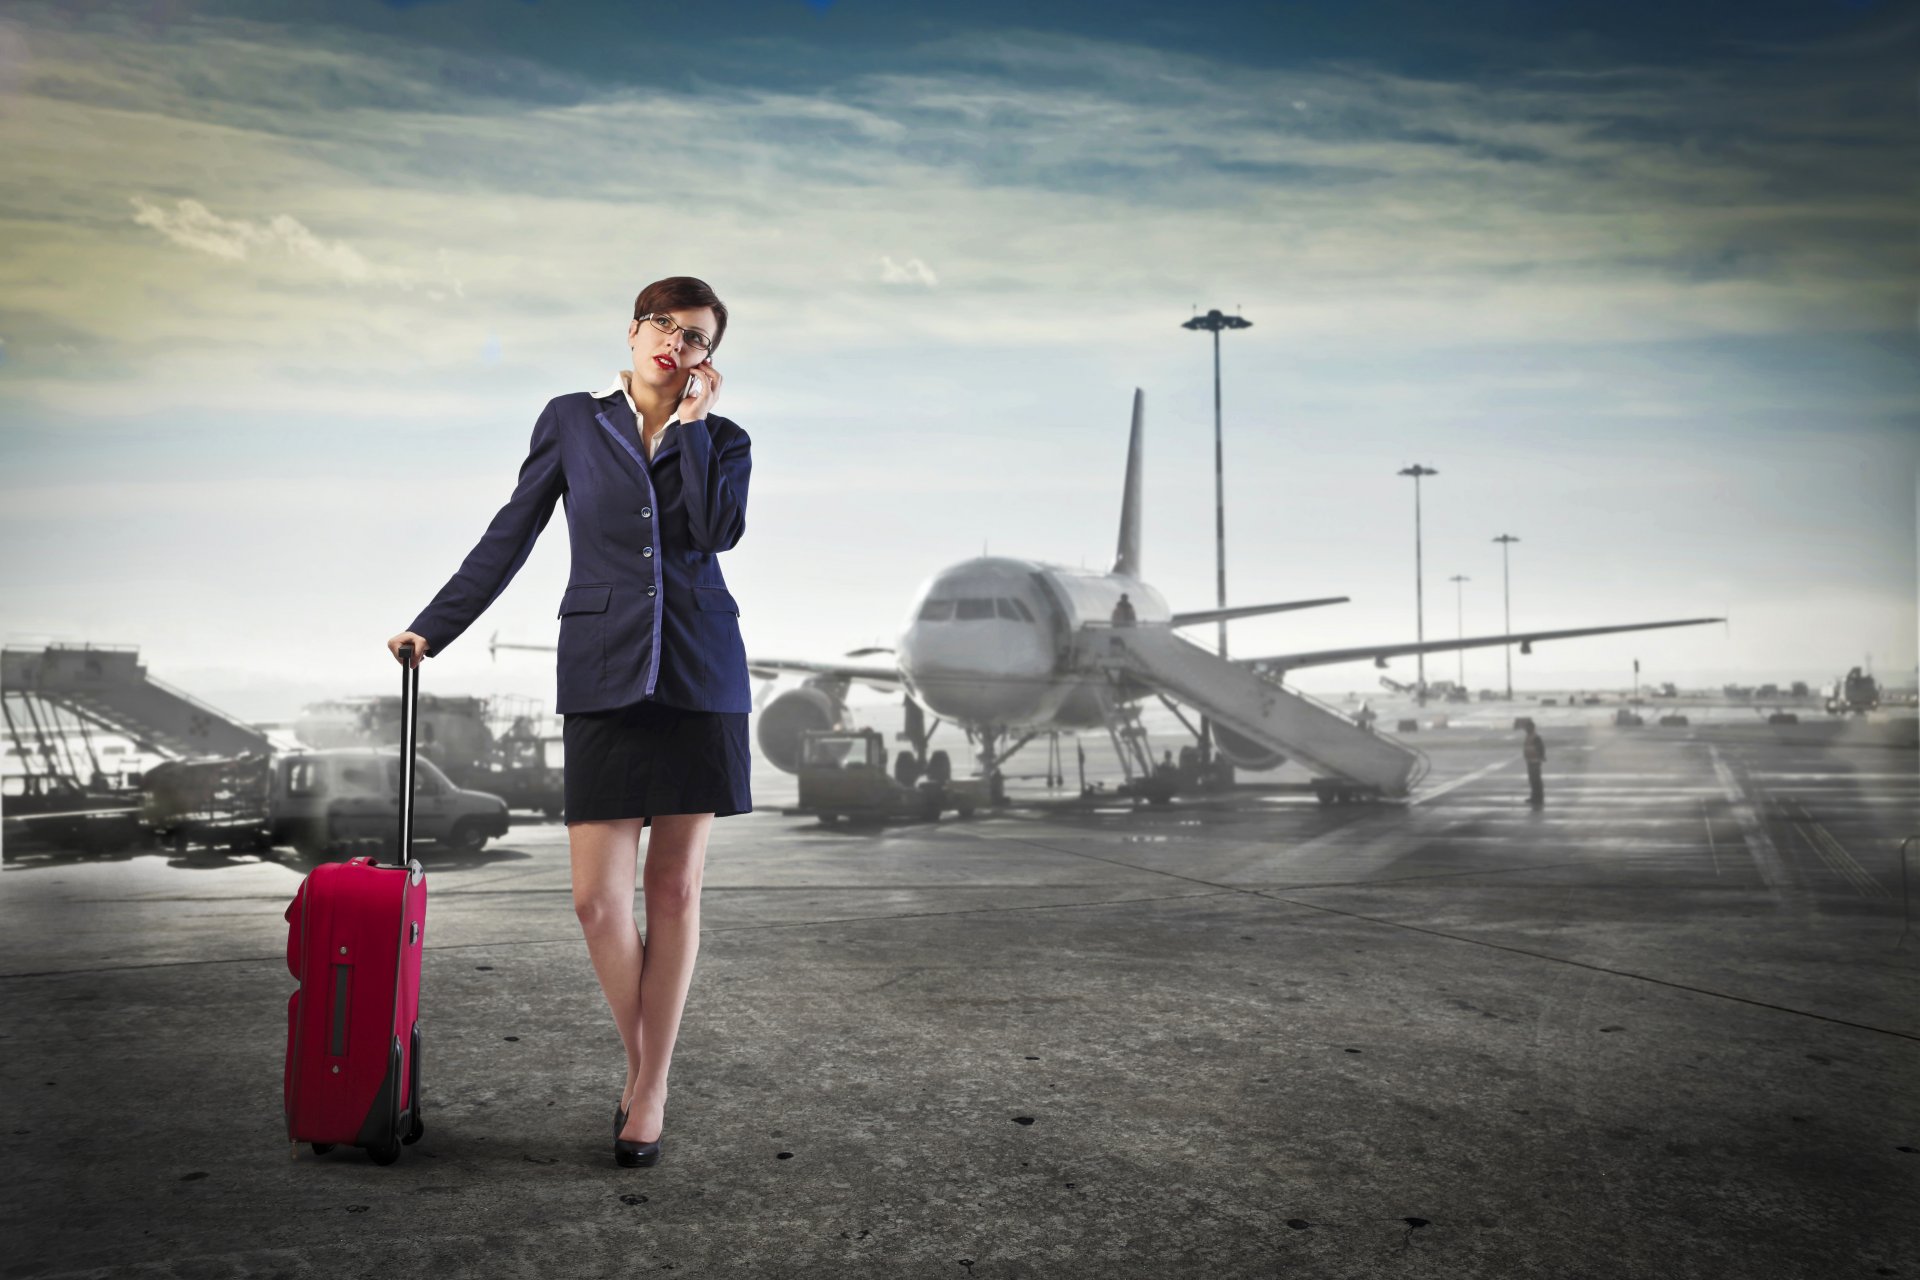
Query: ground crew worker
[(1122, 617), (1534, 752)]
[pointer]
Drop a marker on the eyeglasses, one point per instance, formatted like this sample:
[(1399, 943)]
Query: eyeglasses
[(667, 324)]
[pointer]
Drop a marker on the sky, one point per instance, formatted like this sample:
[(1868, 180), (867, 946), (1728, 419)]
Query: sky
[(283, 287)]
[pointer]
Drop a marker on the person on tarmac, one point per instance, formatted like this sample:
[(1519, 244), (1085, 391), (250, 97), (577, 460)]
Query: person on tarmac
[(651, 674), (1534, 752)]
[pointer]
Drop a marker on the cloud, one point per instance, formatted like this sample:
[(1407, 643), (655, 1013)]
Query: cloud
[(192, 225), (912, 271), (1082, 182)]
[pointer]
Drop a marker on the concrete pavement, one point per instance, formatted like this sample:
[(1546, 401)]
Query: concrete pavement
[(1665, 1027)]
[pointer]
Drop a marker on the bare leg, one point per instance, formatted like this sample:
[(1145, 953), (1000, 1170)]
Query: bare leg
[(676, 862), (605, 857)]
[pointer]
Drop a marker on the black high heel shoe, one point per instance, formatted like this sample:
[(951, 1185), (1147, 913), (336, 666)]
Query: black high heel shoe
[(635, 1155), (632, 1155)]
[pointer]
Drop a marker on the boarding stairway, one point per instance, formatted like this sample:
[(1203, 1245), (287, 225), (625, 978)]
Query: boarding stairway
[(107, 686), (1252, 705)]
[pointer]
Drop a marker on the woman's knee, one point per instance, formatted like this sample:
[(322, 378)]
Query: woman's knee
[(602, 911), (672, 893)]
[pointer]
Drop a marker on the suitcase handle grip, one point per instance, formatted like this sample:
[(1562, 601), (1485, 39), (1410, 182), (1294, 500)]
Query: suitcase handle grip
[(409, 728)]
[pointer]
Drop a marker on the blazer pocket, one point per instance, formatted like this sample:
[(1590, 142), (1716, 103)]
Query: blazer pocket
[(591, 599), (715, 599)]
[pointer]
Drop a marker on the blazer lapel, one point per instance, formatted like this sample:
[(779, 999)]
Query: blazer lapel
[(619, 423), (668, 445)]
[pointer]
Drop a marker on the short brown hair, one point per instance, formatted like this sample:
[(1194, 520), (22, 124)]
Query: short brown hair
[(682, 293)]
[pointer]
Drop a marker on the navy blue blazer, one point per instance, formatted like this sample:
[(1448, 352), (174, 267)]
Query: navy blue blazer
[(646, 614)]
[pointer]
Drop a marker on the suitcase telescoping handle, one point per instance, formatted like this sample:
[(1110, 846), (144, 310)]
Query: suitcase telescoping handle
[(409, 725)]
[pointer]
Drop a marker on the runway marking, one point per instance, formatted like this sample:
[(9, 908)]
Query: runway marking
[(1650, 793), (1713, 850), (1766, 858), (1434, 793), (1830, 776), (1830, 851)]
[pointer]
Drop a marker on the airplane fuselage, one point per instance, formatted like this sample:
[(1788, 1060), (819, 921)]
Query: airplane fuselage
[(988, 641)]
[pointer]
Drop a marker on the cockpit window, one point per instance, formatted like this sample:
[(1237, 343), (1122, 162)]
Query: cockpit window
[(975, 608)]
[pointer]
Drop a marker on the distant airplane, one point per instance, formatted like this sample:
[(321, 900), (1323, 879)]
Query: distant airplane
[(1011, 648)]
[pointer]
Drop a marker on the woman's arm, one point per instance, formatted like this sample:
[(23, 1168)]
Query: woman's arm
[(714, 487), (504, 547)]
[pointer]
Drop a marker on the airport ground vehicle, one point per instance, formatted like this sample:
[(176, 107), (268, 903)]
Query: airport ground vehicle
[(315, 801), (524, 769), (843, 773), (209, 800), (505, 745), (52, 810), (1856, 692), (323, 798)]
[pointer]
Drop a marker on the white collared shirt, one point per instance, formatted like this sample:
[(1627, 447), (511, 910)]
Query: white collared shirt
[(620, 385)]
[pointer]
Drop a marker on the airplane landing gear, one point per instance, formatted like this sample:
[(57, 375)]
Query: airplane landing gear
[(1334, 791)]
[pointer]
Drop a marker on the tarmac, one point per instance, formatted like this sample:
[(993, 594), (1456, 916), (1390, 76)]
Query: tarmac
[(1668, 1025)]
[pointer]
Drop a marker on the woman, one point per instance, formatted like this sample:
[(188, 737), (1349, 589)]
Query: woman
[(652, 675)]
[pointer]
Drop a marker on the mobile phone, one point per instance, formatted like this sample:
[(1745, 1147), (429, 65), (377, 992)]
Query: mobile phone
[(693, 386)]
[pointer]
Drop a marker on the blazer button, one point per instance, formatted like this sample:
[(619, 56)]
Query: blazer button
[(649, 590), (645, 512), (646, 551)]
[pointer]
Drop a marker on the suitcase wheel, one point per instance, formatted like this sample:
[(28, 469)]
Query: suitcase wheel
[(416, 1133), (384, 1155), (321, 1148)]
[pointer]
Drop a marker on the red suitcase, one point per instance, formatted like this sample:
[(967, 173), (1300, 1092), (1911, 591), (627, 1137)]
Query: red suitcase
[(356, 930)]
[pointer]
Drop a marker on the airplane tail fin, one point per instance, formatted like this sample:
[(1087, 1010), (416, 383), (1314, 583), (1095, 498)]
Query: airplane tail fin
[(1127, 558)]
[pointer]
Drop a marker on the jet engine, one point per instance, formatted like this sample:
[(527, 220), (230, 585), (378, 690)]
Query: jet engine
[(815, 705), (1244, 752)]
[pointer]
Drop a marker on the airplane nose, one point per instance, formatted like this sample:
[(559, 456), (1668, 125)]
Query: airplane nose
[(986, 670)]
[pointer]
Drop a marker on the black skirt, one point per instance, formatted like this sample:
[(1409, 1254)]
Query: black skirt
[(646, 759)]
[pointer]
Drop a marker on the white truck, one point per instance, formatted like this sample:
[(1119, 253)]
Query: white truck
[(347, 795)]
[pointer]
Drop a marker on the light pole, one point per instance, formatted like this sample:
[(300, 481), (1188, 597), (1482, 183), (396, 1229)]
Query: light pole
[(1460, 621), (1506, 540), (1214, 321), (1419, 580)]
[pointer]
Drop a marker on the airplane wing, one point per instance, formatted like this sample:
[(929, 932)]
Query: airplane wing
[(885, 678), (1379, 653), (1250, 611)]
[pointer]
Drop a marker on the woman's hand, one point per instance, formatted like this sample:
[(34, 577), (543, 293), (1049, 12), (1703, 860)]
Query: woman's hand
[(694, 407), (418, 642)]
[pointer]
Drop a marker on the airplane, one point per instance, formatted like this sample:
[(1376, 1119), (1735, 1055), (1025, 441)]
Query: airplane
[(989, 645), (995, 644)]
